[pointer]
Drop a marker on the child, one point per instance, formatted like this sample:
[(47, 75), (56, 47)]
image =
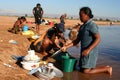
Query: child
[(17, 27), (73, 34)]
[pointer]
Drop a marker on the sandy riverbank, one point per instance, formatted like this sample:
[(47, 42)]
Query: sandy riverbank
[(7, 49), (69, 22)]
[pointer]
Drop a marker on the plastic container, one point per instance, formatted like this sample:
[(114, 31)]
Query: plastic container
[(58, 59), (51, 24), (25, 28), (68, 63)]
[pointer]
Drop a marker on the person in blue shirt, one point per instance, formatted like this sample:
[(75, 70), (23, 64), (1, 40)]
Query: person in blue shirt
[(62, 19), (90, 38)]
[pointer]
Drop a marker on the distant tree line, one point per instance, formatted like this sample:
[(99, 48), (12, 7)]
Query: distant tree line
[(101, 19), (72, 18)]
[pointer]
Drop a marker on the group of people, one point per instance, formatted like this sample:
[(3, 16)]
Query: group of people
[(87, 35), (38, 15), (21, 21)]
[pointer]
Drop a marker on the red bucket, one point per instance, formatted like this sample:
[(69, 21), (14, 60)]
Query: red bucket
[(51, 24)]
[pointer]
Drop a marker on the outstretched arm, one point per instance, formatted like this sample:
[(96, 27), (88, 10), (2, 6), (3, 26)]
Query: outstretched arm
[(57, 42), (40, 39), (76, 41)]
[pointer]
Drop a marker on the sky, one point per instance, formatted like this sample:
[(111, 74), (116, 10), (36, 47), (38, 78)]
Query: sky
[(101, 8)]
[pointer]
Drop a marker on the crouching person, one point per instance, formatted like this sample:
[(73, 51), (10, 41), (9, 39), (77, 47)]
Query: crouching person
[(50, 40)]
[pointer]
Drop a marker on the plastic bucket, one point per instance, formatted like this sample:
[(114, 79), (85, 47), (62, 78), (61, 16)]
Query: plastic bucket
[(25, 28), (51, 24), (68, 64), (58, 57)]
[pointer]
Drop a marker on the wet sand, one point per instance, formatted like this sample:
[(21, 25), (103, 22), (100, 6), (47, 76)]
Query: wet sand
[(7, 49)]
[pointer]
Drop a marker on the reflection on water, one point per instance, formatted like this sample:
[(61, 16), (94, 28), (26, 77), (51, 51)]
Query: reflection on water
[(109, 45), (81, 76), (110, 41), (76, 76)]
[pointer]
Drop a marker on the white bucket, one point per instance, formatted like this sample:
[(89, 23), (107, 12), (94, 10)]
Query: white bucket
[(31, 52)]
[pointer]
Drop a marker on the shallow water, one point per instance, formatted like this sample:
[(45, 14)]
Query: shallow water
[(109, 45), (109, 51), (110, 41)]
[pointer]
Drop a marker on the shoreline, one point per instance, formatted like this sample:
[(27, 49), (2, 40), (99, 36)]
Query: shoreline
[(69, 22)]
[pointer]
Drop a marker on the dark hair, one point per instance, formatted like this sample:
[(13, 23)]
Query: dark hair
[(38, 4), (23, 18), (18, 18), (51, 32), (60, 27), (87, 11)]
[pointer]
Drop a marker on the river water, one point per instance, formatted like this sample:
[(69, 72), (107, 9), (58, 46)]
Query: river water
[(109, 54), (109, 45)]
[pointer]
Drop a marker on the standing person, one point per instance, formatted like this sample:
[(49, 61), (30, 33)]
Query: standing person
[(62, 19), (38, 14), (89, 37)]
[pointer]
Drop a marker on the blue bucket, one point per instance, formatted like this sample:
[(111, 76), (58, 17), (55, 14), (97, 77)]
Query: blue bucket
[(25, 28)]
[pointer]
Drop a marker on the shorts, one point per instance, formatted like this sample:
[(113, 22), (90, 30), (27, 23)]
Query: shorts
[(37, 48), (37, 21)]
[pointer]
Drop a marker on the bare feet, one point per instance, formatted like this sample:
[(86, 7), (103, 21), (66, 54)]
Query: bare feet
[(109, 70)]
